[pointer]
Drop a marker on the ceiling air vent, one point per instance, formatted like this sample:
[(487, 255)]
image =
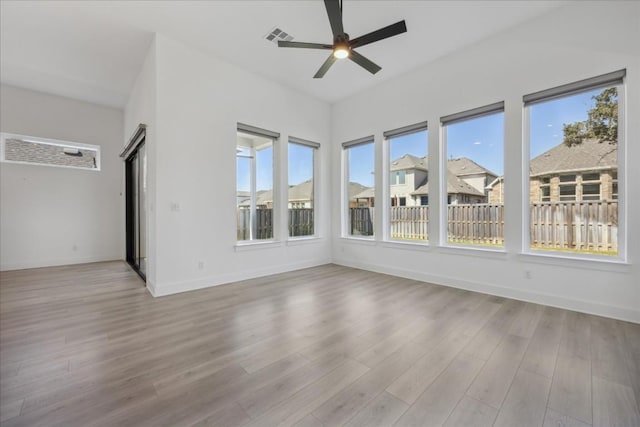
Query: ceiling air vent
[(276, 34)]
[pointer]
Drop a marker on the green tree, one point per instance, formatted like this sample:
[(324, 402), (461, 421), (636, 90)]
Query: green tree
[(601, 124)]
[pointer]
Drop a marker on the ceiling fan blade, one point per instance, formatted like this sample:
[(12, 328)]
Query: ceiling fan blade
[(364, 62), (304, 45), (325, 67), (381, 34), (335, 16)]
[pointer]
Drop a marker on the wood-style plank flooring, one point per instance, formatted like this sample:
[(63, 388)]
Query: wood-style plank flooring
[(87, 345)]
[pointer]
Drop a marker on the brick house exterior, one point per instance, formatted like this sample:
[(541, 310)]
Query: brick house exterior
[(582, 172)]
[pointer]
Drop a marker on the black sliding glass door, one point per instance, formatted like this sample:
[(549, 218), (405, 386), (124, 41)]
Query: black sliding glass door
[(136, 198)]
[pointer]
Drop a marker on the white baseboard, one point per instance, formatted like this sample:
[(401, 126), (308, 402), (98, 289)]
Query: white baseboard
[(151, 287), (158, 290), (55, 262), (620, 313)]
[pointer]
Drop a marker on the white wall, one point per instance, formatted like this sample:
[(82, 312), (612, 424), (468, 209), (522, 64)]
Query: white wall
[(199, 101), (580, 40), (52, 215)]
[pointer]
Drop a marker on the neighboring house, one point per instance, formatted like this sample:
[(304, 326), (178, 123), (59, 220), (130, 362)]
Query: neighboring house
[(471, 173), (586, 171), (300, 197), (458, 192), (407, 174), (360, 196), (264, 199), (243, 197), (495, 190), (409, 186)]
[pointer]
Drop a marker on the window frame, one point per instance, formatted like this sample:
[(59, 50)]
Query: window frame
[(275, 208), (445, 198), (615, 79), (4, 136), (346, 146), (315, 162), (386, 186)]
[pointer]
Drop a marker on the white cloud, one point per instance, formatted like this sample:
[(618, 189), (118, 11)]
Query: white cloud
[(477, 143), (549, 125)]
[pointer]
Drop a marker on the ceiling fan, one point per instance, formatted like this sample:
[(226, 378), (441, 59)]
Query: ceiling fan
[(342, 46)]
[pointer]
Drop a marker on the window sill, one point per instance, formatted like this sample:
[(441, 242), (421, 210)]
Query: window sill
[(483, 252), (359, 241), (250, 246), (406, 245), (592, 262), (307, 240)]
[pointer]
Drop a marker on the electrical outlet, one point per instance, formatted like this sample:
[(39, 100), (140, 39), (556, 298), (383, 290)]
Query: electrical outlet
[(527, 274), (200, 265), (175, 207)]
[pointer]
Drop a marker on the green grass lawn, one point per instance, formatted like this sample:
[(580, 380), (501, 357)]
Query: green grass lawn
[(495, 245)]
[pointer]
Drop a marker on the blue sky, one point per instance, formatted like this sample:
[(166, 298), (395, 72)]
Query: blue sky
[(547, 119), (300, 163), (481, 140)]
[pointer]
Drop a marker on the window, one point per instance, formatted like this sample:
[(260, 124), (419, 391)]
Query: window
[(424, 200), (254, 183), (567, 192), (591, 186), (408, 219), (474, 149), (301, 190), (573, 137), (545, 193), (590, 191), (567, 188), (545, 189), (359, 161), (48, 152), (398, 178)]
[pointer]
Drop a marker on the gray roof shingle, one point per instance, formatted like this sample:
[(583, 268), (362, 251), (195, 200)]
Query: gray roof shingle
[(409, 162), (462, 166), (455, 185), (589, 155)]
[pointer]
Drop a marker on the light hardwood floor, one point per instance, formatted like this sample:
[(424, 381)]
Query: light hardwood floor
[(87, 345)]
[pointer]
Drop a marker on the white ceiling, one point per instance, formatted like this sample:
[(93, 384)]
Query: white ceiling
[(93, 50)]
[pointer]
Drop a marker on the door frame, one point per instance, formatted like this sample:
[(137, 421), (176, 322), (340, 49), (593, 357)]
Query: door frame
[(132, 233)]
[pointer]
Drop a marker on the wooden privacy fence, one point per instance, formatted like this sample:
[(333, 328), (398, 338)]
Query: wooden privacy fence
[(583, 226), (361, 221), (300, 223), (409, 222), (264, 224), (480, 223)]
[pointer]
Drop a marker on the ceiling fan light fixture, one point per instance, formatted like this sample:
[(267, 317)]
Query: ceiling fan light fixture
[(341, 52)]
